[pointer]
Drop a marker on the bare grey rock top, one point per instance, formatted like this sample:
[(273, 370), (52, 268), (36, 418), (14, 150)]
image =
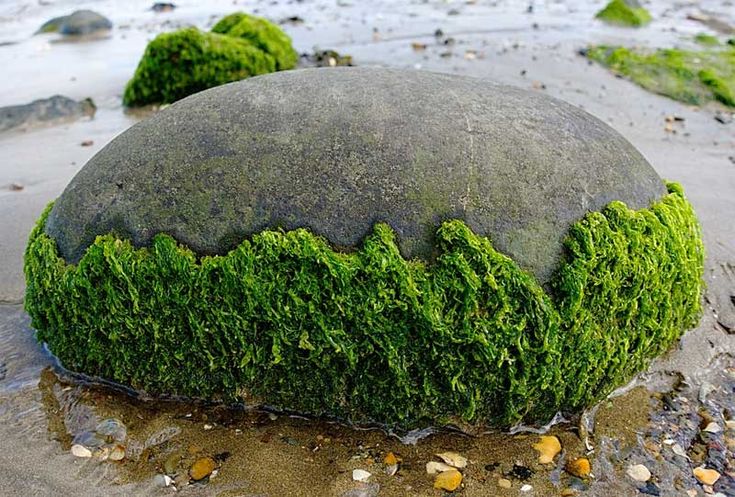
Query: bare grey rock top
[(338, 150)]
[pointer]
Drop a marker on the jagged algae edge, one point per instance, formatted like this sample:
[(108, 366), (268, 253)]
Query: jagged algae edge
[(178, 64), (369, 336), (619, 12), (693, 77)]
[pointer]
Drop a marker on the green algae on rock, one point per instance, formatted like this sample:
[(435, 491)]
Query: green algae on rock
[(351, 242), (183, 62), (693, 77), (624, 13), (261, 33), (286, 320)]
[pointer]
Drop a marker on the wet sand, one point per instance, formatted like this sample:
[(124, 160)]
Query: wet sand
[(40, 412)]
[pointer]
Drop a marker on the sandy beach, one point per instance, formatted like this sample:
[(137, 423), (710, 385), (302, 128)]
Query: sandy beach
[(257, 453)]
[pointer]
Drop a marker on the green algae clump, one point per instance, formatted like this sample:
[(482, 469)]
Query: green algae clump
[(624, 13), (178, 64), (368, 336), (260, 33), (693, 77), (707, 40)]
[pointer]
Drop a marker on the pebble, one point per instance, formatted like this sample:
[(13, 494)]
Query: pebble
[(706, 476), (504, 483), (162, 480), (713, 428), (117, 453), (433, 467), (112, 429), (526, 488), (448, 480), (579, 467), (361, 475), (453, 459), (548, 447), (202, 468), (569, 492), (80, 451), (639, 472)]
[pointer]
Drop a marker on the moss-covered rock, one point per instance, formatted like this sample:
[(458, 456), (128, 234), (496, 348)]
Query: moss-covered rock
[(262, 34), (693, 77), (624, 13), (178, 64), (365, 264), (287, 321), (187, 61)]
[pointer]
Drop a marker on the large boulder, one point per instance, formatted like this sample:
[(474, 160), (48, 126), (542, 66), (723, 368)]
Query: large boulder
[(382, 246), (338, 151)]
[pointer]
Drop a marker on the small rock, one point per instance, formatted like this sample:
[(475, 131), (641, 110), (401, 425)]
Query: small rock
[(112, 429), (87, 143), (80, 451), (679, 450), (713, 428), (706, 476), (361, 475), (433, 467), (639, 473), (208, 427), (81, 22), (117, 453), (526, 488), (16, 187), (202, 468), (504, 483), (569, 492), (163, 7), (453, 459), (579, 467), (418, 47), (548, 447), (162, 480), (448, 480)]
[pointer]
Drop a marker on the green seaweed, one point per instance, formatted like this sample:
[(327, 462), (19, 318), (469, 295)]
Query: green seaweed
[(707, 40), (624, 13), (178, 64), (183, 62), (286, 320), (693, 77), (262, 34)]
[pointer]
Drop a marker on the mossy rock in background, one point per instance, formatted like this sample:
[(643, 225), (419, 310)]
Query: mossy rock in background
[(183, 62), (261, 33), (624, 13), (691, 76), (378, 245)]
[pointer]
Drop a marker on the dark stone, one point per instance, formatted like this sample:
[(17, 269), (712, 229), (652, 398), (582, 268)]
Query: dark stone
[(337, 150), (47, 110), (163, 7), (81, 22)]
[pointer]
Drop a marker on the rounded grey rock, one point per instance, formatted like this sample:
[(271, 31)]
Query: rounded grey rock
[(80, 22), (338, 150)]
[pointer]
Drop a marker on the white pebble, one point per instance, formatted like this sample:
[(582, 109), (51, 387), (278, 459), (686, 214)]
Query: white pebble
[(360, 475), (80, 451), (526, 488), (713, 428), (639, 472)]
